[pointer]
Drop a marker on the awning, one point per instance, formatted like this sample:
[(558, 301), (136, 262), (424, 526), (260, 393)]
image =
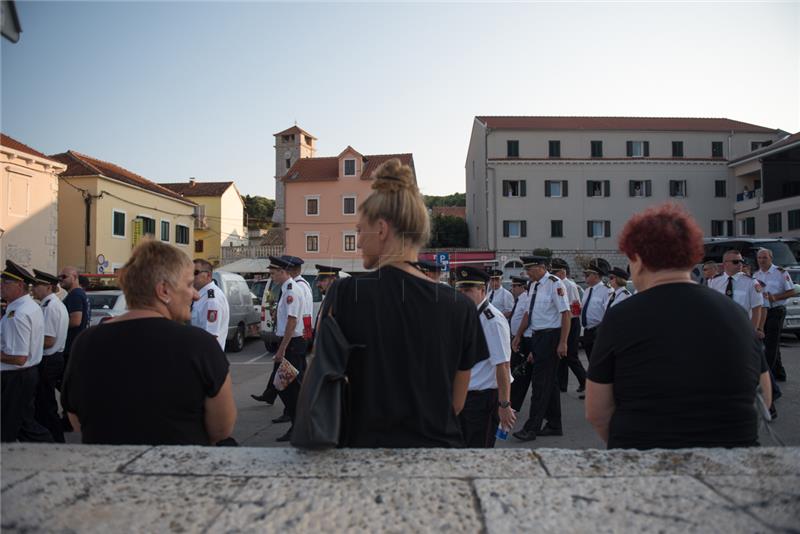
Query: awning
[(261, 265), (246, 265)]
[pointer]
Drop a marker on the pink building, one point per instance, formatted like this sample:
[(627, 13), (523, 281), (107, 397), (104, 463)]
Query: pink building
[(321, 198)]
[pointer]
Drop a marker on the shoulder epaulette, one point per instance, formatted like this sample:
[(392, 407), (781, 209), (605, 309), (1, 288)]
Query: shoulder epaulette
[(781, 269), (626, 291), (553, 278), (289, 286), (45, 304), (210, 293), (717, 275), (488, 313)]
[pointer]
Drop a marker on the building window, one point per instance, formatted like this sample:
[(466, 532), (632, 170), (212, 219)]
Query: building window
[(515, 229), (148, 225), (774, 220), (309, 140), (598, 228), (794, 219), (287, 138), (556, 188), (312, 242), (512, 149), (348, 205), (677, 188), (556, 228), (514, 188), (721, 228), (755, 145), (350, 242), (677, 149), (720, 188), (198, 245), (181, 234), (288, 163), (716, 149), (165, 231), (747, 226), (118, 223), (349, 167), (640, 188), (637, 149), (554, 149), (312, 205), (597, 149), (598, 188)]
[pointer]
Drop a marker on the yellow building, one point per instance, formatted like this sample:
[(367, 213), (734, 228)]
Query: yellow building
[(104, 210), (28, 206), (220, 216)]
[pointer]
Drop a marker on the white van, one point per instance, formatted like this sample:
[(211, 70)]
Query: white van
[(244, 319)]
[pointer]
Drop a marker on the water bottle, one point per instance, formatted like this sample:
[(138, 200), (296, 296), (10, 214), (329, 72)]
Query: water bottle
[(502, 433)]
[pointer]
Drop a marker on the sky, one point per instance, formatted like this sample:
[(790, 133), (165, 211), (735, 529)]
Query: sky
[(172, 90)]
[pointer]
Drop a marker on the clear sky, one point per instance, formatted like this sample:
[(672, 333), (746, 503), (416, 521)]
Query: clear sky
[(177, 89)]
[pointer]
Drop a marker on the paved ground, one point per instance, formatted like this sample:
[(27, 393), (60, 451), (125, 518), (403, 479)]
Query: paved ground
[(254, 428)]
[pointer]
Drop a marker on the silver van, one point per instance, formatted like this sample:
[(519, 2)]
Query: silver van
[(244, 319)]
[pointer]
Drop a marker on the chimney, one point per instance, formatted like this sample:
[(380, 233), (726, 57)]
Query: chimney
[(192, 181)]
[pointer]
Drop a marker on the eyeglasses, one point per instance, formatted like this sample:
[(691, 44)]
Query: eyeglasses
[(198, 272), (62, 276), (735, 262)]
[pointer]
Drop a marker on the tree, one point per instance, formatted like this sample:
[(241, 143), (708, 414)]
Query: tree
[(448, 231), (456, 199), (258, 211)]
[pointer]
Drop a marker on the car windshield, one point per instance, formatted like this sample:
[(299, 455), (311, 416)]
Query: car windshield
[(258, 288), (781, 253), (795, 276), (102, 302)]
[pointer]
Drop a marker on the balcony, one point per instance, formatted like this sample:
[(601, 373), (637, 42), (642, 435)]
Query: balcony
[(230, 254), (747, 201)]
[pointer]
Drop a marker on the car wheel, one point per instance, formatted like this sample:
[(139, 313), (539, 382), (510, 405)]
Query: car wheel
[(237, 343)]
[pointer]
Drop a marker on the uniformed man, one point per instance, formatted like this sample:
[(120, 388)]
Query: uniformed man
[(710, 270), (618, 279), (778, 287), (595, 302), (307, 305), (21, 347), (488, 401), (560, 268), (500, 297), (520, 368), (545, 328), (211, 312), (326, 276), (51, 369), (740, 288), (290, 329), (430, 269)]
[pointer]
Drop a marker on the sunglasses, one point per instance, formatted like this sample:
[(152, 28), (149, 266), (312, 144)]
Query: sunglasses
[(62, 276), (198, 272), (735, 262)]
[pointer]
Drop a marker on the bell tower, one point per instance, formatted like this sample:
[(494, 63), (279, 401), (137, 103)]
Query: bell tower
[(290, 145)]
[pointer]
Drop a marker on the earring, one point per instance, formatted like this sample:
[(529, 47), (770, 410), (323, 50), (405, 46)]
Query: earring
[(167, 301)]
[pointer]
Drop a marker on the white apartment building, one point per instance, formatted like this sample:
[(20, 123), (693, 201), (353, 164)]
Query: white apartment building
[(571, 183)]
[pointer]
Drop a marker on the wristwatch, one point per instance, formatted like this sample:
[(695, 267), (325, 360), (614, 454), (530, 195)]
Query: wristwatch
[(504, 404)]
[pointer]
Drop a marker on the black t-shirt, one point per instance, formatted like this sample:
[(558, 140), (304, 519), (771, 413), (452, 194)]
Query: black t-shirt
[(417, 334), (685, 362), (143, 381), (77, 301)]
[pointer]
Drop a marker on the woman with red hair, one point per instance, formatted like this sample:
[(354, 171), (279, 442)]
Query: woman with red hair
[(676, 365)]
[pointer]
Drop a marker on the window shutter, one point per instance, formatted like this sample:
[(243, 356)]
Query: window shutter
[(629, 148), (672, 188), (608, 229), (730, 228), (547, 188), (648, 188), (588, 188), (646, 149), (606, 188), (589, 229), (631, 188), (564, 188), (505, 188), (505, 228), (523, 229), (523, 188), (685, 188)]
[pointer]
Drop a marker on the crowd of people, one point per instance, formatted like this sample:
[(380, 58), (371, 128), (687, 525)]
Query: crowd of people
[(434, 364)]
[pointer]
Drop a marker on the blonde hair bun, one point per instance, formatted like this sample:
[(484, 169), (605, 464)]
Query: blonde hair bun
[(393, 176)]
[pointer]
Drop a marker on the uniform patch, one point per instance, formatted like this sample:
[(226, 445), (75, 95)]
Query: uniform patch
[(560, 291), (212, 316), (289, 286), (289, 299), (488, 313), (11, 314), (210, 293), (759, 289), (553, 278)]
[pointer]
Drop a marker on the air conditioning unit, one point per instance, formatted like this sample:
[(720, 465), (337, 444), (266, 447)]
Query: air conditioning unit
[(200, 222)]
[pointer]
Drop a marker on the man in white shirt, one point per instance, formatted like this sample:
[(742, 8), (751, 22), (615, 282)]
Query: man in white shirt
[(595, 302), (618, 279), (710, 270), (488, 403), (500, 297), (560, 268), (740, 288), (211, 312), (778, 287), (520, 368), (307, 305), (51, 370)]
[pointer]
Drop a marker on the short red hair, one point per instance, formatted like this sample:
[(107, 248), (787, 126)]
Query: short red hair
[(665, 236)]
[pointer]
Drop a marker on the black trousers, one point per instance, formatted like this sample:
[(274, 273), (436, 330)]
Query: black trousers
[(772, 334), (521, 371), (589, 335), (479, 419), (17, 390), (296, 354), (545, 397), (51, 373), (571, 361)]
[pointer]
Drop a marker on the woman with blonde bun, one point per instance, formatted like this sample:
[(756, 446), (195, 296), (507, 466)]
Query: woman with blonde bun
[(420, 338)]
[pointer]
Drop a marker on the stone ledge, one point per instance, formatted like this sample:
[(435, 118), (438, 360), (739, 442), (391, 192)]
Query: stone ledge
[(102, 489)]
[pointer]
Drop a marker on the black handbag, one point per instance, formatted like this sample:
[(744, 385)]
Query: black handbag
[(322, 405)]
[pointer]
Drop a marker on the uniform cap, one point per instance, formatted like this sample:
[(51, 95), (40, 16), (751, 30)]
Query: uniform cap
[(558, 264), (323, 271), (530, 261), (279, 262), (595, 267), (471, 276), (293, 261), (495, 273), (519, 281), (16, 272), (429, 267), (42, 277), (619, 273)]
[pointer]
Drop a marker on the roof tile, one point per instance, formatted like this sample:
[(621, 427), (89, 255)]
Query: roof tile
[(198, 189), (622, 123), (10, 142), (327, 169)]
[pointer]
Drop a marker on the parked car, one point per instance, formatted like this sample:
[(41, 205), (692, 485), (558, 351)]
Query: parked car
[(791, 324), (244, 320), (715, 248), (106, 304)]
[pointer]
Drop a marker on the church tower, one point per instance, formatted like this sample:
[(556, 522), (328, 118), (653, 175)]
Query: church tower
[(290, 145)]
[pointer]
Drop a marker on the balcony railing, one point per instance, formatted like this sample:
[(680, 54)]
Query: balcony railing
[(748, 195), (230, 254)]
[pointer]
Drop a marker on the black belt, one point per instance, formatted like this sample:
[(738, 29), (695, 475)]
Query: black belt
[(476, 392), (547, 330), (776, 308), (592, 329)]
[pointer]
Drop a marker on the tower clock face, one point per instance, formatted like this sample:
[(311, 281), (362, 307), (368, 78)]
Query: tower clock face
[(287, 154)]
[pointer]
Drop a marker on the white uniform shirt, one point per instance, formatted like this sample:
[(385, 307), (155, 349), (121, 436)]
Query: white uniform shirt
[(550, 302), (22, 332), (308, 296), (573, 297), (498, 339), (596, 307), (519, 312), (212, 313), (775, 281), (619, 294), (56, 322), (747, 292), (290, 305), (502, 299)]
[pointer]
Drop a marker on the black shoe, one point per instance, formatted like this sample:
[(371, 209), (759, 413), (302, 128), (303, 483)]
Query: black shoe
[(525, 435), (581, 396), (262, 398), (286, 437), (581, 389), (550, 431), (773, 412), (282, 419)]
